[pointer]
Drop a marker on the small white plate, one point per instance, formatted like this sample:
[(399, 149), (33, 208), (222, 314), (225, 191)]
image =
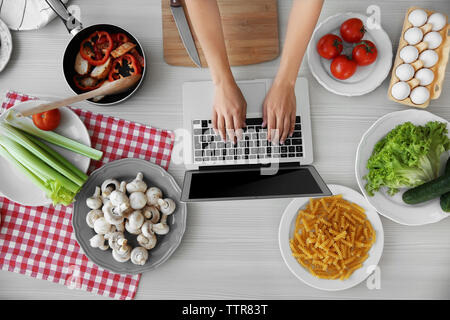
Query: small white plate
[(16, 186), (366, 78), (393, 207), (286, 232), (5, 45)]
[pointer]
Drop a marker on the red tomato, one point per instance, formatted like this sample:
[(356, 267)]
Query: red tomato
[(329, 46), (365, 53), (342, 67), (352, 30), (48, 120)]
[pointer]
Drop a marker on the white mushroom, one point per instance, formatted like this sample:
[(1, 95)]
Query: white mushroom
[(166, 206), (139, 256), (119, 198), (95, 202), (162, 227), (147, 243), (92, 216), (138, 200), (134, 223), (113, 239), (123, 253), (120, 227), (151, 213), (110, 215), (138, 184), (98, 241), (131, 228), (101, 226), (153, 194), (147, 229), (109, 186)]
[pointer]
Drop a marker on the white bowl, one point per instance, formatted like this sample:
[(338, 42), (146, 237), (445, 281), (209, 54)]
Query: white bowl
[(286, 232), (393, 207), (366, 78)]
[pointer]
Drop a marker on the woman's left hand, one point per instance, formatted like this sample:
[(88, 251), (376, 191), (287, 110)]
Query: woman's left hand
[(279, 111)]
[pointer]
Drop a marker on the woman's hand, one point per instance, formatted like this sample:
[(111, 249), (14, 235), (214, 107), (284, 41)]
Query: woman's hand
[(279, 110), (229, 110)]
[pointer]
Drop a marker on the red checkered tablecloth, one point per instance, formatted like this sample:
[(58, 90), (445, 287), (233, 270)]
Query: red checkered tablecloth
[(40, 242)]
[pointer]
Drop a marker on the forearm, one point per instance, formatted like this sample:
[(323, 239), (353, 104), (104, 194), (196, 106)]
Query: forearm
[(302, 21), (205, 19)]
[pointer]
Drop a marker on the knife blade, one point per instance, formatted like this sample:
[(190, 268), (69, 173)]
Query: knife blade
[(184, 31)]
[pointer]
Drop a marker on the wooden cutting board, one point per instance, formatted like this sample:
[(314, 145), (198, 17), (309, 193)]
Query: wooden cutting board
[(250, 28)]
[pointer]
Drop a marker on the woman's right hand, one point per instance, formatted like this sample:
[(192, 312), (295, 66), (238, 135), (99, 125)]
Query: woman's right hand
[(229, 111)]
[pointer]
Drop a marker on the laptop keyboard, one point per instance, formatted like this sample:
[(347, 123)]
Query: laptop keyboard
[(209, 147)]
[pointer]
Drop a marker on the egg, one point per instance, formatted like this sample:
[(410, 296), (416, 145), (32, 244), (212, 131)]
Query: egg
[(404, 72), (413, 35), (409, 54), (417, 17), (437, 20), (434, 39), (400, 90), (429, 58), (425, 76), (419, 95)]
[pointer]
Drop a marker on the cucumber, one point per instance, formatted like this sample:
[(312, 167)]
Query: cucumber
[(427, 191), (445, 198)]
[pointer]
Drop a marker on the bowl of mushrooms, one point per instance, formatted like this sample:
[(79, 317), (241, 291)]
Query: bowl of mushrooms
[(128, 217)]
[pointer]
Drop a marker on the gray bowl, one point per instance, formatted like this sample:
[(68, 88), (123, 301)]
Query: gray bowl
[(126, 170)]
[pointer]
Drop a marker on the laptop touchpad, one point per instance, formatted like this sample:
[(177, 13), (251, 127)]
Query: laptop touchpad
[(254, 93)]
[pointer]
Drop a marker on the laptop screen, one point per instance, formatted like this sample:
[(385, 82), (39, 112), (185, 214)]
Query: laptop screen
[(249, 183)]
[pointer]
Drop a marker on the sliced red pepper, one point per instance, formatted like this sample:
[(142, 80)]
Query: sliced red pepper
[(119, 38), (138, 57), (96, 48), (80, 83), (124, 66)]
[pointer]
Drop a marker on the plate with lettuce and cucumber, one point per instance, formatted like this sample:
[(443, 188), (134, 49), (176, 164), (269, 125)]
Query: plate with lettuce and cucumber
[(43, 167), (403, 167)]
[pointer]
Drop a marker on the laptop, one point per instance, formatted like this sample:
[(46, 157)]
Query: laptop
[(251, 168)]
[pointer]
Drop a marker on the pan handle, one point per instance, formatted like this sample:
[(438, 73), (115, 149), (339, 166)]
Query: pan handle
[(72, 24)]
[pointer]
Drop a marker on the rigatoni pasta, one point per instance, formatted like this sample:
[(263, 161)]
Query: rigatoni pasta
[(332, 237)]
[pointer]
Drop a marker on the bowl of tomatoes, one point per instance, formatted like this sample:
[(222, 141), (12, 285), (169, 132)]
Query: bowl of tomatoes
[(349, 55)]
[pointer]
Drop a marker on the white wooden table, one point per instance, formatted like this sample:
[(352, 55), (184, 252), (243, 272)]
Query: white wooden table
[(230, 249)]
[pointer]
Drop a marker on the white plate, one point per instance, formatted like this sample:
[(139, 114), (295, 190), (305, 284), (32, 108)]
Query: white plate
[(366, 78), (16, 186), (286, 232), (393, 207), (5, 45)]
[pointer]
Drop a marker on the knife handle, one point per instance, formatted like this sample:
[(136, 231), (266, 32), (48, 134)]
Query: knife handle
[(175, 3)]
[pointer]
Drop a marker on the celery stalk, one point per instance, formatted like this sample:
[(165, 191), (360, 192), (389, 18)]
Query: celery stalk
[(38, 182), (57, 157), (16, 135), (26, 124), (41, 169)]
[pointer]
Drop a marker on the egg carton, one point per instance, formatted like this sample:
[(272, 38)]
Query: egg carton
[(435, 87)]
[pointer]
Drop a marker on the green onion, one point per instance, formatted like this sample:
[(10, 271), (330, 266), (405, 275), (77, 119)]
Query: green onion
[(21, 139), (50, 176), (26, 124)]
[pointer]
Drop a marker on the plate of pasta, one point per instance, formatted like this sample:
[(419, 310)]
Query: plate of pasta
[(331, 243)]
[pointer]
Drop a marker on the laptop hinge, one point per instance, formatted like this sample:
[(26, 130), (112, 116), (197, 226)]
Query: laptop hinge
[(250, 166)]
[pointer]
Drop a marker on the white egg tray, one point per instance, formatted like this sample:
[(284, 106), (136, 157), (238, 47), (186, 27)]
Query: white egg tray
[(438, 68)]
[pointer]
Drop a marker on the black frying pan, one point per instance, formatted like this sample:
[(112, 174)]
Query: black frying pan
[(79, 34)]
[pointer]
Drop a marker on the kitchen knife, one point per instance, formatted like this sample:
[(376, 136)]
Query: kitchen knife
[(184, 31)]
